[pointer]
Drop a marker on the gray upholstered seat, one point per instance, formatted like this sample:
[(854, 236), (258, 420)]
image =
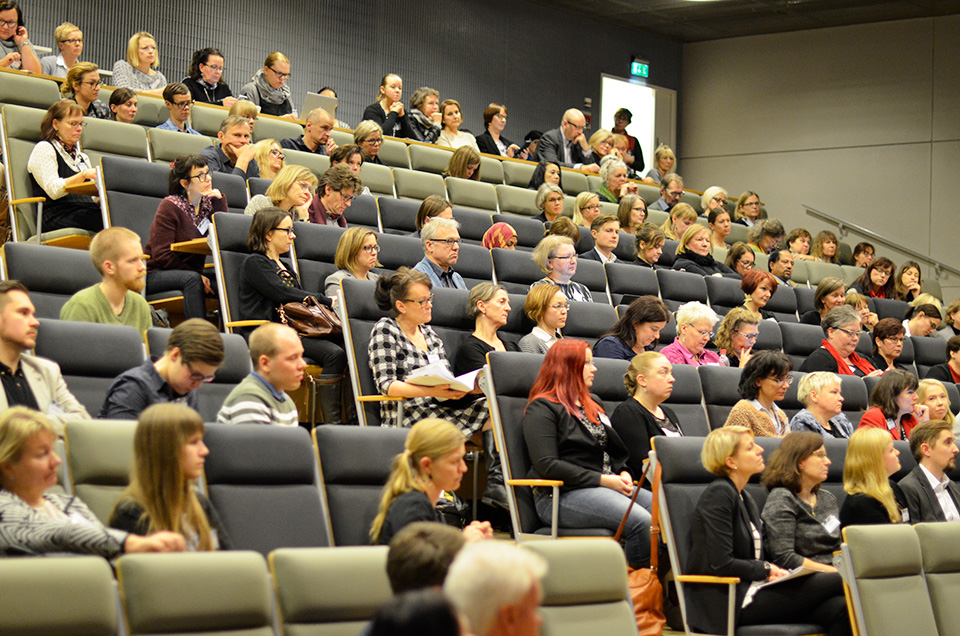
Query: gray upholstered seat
[(394, 153), (206, 118), (471, 194), (517, 200), (517, 173), (52, 274), (429, 158), (275, 128), (529, 231), (940, 549), (378, 178), (318, 164), (411, 184), (99, 457), (589, 321), (105, 137), (515, 270), (686, 400), (491, 170), (167, 145), (628, 282)]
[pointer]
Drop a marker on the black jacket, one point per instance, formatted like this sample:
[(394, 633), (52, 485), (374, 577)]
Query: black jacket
[(486, 143), (636, 425), (861, 509), (262, 291), (921, 500), (940, 372), (550, 148), (703, 265)]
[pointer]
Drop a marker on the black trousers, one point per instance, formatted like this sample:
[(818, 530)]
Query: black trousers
[(816, 598)]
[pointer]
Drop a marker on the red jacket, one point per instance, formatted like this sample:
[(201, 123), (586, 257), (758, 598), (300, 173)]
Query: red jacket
[(875, 418)]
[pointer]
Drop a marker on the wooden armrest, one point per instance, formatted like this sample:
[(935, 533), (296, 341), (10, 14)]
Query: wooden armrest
[(705, 578), (246, 323), (546, 483), (380, 398), (28, 200)]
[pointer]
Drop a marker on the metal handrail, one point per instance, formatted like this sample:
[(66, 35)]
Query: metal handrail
[(846, 226)]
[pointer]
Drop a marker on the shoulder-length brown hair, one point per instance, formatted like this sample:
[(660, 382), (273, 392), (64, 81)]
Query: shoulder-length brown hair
[(784, 468), (59, 111)]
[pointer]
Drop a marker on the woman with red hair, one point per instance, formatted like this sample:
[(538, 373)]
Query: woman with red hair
[(759, 286), (569, 438)]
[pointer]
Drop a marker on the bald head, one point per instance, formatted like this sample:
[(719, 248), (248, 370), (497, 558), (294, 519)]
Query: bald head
[(572, 124), (277, 355), (317, 131)]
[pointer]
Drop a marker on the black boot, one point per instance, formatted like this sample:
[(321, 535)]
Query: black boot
[(328, 395), (494, 494)]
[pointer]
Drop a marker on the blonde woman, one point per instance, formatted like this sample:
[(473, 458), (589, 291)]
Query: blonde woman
[(586, 208), (268, 87), (546, 306), (632, 213), (693, 253), (664, 162), (369, 136), (292, 190), (872, 496), (387, 111), (168, 458), (933, 394), (737, 336), (557, 258), (246, 109), (138, 70), (748, 209), (819, 392), (431, 463), (826, 247), (355, 257), (82, 85), (269, 157), (681, 217), (69, 40)]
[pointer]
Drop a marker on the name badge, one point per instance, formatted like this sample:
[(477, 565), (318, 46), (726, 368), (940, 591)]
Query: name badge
[(905, 515), (831, 524), (891, 425), (433, 357), (204, 226), (80, 520)]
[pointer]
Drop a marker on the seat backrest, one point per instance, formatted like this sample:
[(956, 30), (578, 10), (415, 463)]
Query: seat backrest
[(855, 397), (378, 178), (25, 90), (628, 282), (517, 200), (234, 189), (105, 137), (359, 315), (769, 336), (429, 158), (939, 544), (724, 293), (817, 271), (473, 223), (355, 463), (518, 173), (196, 593), (275, 128), (99, 458), (472, 194), (491, 170), (399, 251), (52, 274), (229, 250), (890, 308), (474, 264), (529, 231), (398, 216), (167, 145), (316, 246), (626, 249), (257, 185), (799, 341), (804, 299), (411, 184), (927, 352), (394, 153), (783, 304), (589, 321), (573, 183), (317, 164), (21, 132), (677, 288), (515, 270), (206, 118), (686, 400), (151, 112), (591, 274), (720, 392), (134, 190), (270, 469), (364, 211)]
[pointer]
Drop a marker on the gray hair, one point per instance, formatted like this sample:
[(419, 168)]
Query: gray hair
[(838, 317), (817, 381), (765, 227), (709, 193), (547, 249), (543, 192), (420, 95), (695, 311), (608, 166), (431, 228)]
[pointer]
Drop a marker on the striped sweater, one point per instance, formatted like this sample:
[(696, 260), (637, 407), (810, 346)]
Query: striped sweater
[(251, 402)]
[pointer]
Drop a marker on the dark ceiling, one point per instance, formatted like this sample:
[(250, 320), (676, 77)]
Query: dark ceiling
[(698, 20)]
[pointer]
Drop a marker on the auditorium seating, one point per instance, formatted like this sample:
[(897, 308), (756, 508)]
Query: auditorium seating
[(52, 274), (99, 457)]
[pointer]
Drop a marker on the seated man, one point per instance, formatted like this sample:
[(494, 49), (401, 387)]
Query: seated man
[(671, 189), (441, 249), (930, 494), (277, 356), (177, 99), (566, 146), (28, 380), (336, 191), (605, 231), (194, 353), (781, 266), (234, 154), (316, 135), (420, 555), (115, 300)]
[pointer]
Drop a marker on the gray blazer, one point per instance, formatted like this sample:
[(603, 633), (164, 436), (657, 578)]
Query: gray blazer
[(51, 392), (921, 500)]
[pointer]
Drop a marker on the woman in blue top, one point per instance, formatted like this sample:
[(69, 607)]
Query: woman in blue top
[(637, 330)]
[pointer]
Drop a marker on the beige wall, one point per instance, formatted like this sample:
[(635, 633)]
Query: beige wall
[(861, 122)]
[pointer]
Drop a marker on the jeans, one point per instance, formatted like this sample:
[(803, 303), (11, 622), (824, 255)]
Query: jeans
[(601, 507), (185, 281)]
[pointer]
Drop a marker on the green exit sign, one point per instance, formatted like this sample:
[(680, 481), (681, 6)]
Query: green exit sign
[(639, 69)]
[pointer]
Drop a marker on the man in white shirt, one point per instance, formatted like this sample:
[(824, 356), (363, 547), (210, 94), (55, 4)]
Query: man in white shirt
[(930, 494)]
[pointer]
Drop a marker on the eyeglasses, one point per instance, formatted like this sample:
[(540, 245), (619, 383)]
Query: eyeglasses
[(894, 340), (607, 143), (554, 199), (449, 241), (80, 125), (751, 205), (787, 381), (849, 332), (214, 68), (748, 336), (279, 74), (93, 83), (288, 230), (8, 23), (372, 142), (304, 186), (72, 40), (594, 206), (560, 307), (718, 199), (573, 125), (880, 272), (745, 264), (277, 153), (565, 258), (345, 198), (706, 334), (425, 301), (820, 454), (198, 377), (200, 176), (371, 249), (183, 105), (675, 193)]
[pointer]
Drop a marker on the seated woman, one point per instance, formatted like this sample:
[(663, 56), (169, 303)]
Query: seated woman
[(402, 343), (431, 463), (586, 208), (908, 284), (830, 294), (801, 520), (664, 162), (872, 496), (868, 319), (489, 307), (451, 135), (338, 186), (615, 185), (369, 137), (269, 157), (57, 162), (123, 105), (863, 254), (887, 339), (292, 191), (894, 405), (186, 214), (549, 201), (268, 87), (713, 198), (693, 253), (763, 382), (350, 155), (424, 116), (719, 221), (246, 109), (932, 394), (637, 330), (632, 213), (649, 382), (356, 257), (798, 240), (82, 85), (826, 247), (922, 320), (819, 392), (434, 206), (748, 209), (266, 283), (557, 258), (138, 70), (168, 458), (727, 540), (737, 336), (387, 111), (34, 521), (759, 287), (69, 39), (837, 353), (500, 235), (695, 323), (765, 235), (649, 242), (205, 79), (602, 145), (948, 371), (492, 141), (569, 438), (740, 258), (563, 226), (464, 164), (682, 216), (546, 172), (547, 307)]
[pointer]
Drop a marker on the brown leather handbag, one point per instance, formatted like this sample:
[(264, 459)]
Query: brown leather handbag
[(311, 319)]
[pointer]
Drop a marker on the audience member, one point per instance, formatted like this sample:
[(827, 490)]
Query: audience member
[(922, 320), (740, 258), (205, 78), (632, 213), (546, 172), (798, 241), (563, 226), (719, 222), (268, 87), (877, 280), (192, 356), (123, 105), (424, 117), (233, 154), (316, 136), (177, 99), (928, 491), (547, 306), (36, 521), (636, 332), (713, 198), (422, 613), (681, 217), (269, 157), (420, 555), (605, 231), (693, 253), (615, 185), (837, 353), (138, 70), (586, 208), (557, 258), (432, 207), (822, 401), (326, 91), (765, 235), (246, 109), (671, 189), (868, 319), (829, 295), (260, 398), (664, 162), (492, 141), (356, 256), (952, 319), (69, 39), (863, 254), (908, 285), (633, 155), (57, 162), (695, 323), (464, 164), (82, 85), (185, 215), (168, 458), (566, 146), (602, 144), (15, 45), (737, 336), (933, 394), (500, 235), (826, 247), (116, 299), (894, 406), (337, 189), (948, 371), (887, 340), (549, 201), (748, 209), (387, 111), (451, 135), (872, 497), (350, 156), (780, 263), (369, 137), (763, 382), (759, 287), (441, 249)]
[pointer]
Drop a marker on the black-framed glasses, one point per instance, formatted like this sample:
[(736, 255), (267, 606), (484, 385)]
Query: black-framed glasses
[(183, 105), (894, 340), (8, 23), (73, 41), (425, 301), (93, 83), (199, 377), (371, 249), (449, 241), (200, 176), (288, 230), (572, 257), (745, 264), (372, 142), (278, 153), (214, 68), (279, 74), (575, 126)]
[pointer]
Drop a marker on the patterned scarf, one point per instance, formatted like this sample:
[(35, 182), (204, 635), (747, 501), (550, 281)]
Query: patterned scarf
[(268, 93)]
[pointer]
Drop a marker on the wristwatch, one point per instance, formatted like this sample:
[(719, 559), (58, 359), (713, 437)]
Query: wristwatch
[(766, 566), (25, 43)]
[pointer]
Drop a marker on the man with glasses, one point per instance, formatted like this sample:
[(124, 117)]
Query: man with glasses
[(316, 136), (441, 248), (567, 145), (177, 99), (335, 193), (671, 189), (193, 354), (234, 154)]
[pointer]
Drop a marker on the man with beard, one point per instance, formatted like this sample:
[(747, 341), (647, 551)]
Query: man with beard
[(116, 299), (930, 494), (234, 154)]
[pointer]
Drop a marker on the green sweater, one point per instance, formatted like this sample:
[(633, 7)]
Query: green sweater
[(251, 402), (90, 305)]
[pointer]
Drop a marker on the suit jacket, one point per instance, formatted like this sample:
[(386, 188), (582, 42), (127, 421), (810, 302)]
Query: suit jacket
[(486, 143), (921, 500), (550, 148), (594, 255), (51, 392)]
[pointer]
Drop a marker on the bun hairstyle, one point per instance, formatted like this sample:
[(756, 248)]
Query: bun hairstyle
[(390, 289)]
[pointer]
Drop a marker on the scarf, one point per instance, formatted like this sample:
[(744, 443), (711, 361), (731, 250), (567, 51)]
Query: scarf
[(703, 261), (268, 93), (498, 235), (842, 367)]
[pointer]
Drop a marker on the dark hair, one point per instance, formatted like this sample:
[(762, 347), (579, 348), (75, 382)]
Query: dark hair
[(953, 345), (623, 112), (926, 433), (892, 383), (642, 310), (737, 250), (344, 152), (784, 468), (537, 179), (174, 88), (327, 88), (12, 4), (390, 289), (752, 279), (420, 555), (121, 96), (263, 222), (715, 213), (201, 57), (180, 169), (865, 285), (418, 613), (774, 256), (430, 207), (862, 247), (198, 341), (763, 364), (489, 112), (926, 308), (338, 178), (886, 328), (901, 291)]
